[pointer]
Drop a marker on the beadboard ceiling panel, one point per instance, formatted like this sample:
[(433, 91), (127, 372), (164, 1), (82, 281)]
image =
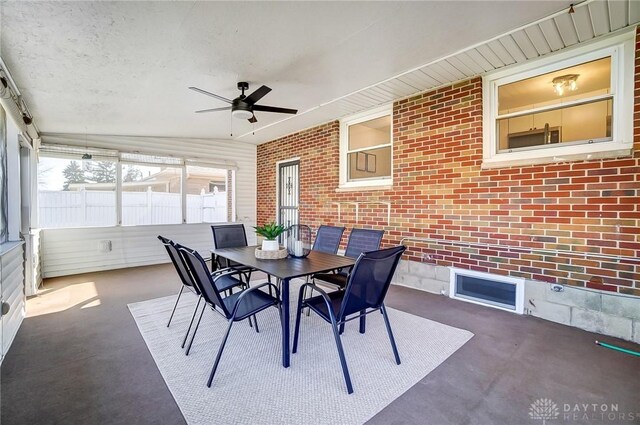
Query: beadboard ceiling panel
[(590, 19)]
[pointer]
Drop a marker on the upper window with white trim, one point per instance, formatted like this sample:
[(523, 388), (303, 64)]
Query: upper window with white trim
[(366, 149), (574, 105)]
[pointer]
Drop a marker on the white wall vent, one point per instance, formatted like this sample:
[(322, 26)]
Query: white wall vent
[(497, 291)]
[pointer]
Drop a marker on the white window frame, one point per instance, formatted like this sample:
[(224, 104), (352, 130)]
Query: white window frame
[(621, 49), (184, 163), (345, 123)]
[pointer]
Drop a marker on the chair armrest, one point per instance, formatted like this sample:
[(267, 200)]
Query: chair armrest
[(225, 271), (252, 289), (324, 296)]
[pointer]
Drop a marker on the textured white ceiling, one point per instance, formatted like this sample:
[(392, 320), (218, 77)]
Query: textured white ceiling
[(122, 68)]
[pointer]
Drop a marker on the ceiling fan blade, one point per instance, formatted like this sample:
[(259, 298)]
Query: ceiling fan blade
[(253, 119), (226, 108), (275, 109), (224, 99), (257, 95)]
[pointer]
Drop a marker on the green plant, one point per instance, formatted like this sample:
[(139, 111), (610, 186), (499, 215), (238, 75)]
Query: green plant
[(270, 231)]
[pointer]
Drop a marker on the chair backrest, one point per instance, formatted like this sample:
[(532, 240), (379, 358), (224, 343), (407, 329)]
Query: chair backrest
[(328, 239), (229, 236), (369, 280), (202, 278), (178, 263), (363, 240)]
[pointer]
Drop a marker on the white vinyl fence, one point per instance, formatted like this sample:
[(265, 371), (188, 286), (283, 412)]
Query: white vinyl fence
[(98, 208)]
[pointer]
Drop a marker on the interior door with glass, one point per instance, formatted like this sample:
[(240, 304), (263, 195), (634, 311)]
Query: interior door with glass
[(288, 193)]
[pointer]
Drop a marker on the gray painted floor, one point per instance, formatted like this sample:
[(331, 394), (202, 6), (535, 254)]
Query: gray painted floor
[(75, 365)]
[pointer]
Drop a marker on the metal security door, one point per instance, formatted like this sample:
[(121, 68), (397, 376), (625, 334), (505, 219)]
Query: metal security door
[(289, 193)]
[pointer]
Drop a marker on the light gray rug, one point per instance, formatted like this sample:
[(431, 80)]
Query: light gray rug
[(252, 387)]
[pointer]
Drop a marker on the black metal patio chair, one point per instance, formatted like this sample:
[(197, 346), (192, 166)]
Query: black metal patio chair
[(360, 240), (328, 239), (226, 284), (235, 307), (230, 236), (367, 286)]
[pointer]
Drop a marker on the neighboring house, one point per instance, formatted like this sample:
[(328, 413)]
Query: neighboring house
[(199, 180)]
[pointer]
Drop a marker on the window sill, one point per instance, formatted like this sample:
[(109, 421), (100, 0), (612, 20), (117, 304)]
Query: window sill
[(510, 160), (342, 189), (8, 246)]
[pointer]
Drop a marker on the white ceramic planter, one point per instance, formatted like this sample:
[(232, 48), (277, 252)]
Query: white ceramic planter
[(270, 245)]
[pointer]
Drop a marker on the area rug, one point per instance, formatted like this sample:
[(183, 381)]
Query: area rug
[(252, 387)]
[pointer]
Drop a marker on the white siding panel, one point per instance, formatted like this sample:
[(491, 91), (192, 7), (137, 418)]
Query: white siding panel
[(502, 53), (567, 29), (426, 80), (397, 88), (452, 70), (514, 50), (373, 94), (525, 44), (599, 14), (470, 63), (463, 67), (618, 13), (381, 93), (430, 73), (551, 34), (538, 39), (583, 24), (480, 60), (634, 12), (490, 56), (12, 275), (72, 251)]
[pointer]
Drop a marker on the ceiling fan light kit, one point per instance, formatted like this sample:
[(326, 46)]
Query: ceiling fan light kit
[(243, 107)]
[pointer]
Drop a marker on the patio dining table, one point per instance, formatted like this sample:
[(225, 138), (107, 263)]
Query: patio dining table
[(285, 270)]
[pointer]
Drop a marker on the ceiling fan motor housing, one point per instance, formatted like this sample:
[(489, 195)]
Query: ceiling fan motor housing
[(241, 109)]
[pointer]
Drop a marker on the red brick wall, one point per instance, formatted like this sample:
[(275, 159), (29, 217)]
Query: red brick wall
[(440, 191)]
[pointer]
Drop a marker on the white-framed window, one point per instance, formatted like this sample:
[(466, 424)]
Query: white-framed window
[(76, 192), (85, 187), (366, 149), (209, 194), (573, 105)]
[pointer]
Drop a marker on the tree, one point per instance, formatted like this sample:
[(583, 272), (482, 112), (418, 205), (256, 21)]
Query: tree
[(73, 173), (132, 174), (102, 172)]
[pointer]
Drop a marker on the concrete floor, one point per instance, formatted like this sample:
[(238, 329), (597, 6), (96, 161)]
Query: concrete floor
[(79, 359)]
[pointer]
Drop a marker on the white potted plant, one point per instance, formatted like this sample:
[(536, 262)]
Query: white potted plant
[(270, 233)]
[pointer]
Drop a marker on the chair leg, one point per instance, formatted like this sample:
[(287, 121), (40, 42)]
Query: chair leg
[(193, 316), (343, 361), (204, 307), (341, 328), (363, 321), (255, 321), (269, 281), (393, 341), (305, 296), (215, 365), (176, 304), (297, 329)]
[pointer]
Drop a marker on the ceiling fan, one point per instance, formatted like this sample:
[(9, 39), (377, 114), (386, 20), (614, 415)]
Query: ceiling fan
[(243, 107)]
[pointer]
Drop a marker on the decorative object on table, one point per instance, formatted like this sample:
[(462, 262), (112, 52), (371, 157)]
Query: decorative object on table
[(270, 233), (278, 254), (299, 240)]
